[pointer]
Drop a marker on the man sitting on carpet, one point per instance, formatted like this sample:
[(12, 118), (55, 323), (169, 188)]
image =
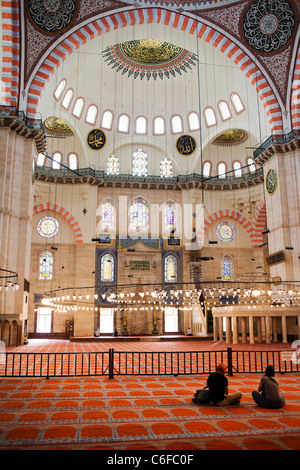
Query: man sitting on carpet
[(218, 389)]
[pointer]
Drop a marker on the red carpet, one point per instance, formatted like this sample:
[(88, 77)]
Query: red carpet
[(141, 412)]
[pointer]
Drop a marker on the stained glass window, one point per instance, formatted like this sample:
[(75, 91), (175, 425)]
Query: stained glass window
[(166, 168), (46, 263), (170, 268), (139, 213), (227, 268), (48, 226), (108, 213), (107, 267), (140, 164), (226, 232), (170, 215), (113, 165)]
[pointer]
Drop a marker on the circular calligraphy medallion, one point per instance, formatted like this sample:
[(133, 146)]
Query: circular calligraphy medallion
[(186, 145), (52, 16), (96, 139), (48, 227), (226, 232), (271, 181), (269, 26)]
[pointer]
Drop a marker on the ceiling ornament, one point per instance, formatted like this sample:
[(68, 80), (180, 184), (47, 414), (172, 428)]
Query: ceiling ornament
[(56, 126), (149, 58), (231, 137), (269, 25), (52, 16)]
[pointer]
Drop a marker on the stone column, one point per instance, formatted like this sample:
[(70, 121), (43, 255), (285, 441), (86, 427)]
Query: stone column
[(268, 335), (275, 335), (235, 339), (220, 328), (284, 333), (251, 329), (259, 329), (228, 330), (244, 331), (216, 323)]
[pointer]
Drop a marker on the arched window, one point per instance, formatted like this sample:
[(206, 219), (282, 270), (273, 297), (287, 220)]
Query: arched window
[(227, 273), (169, 215), (107, 268), (67, 99), (113, 165), (40, 159), (46, 265), (141, 125), (57, 159), (123, 124), (221, 170), (59, 89), (91, 114), (78, 107), (159, 126), (139, 163), (170, 268), (139, 214), (237, 103), (108, 213), (176, 124), (107, 120), (73, 161), (251, 164), (206, 169), (166, 170), (224, 110), (210, 117), (193, 120), (237, 169)]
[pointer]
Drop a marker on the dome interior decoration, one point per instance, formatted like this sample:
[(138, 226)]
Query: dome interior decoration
[(149, 57)]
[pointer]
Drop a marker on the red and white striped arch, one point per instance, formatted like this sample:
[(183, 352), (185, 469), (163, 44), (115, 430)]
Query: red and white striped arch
[(295, 97), (254, 230), (49, 206), (165, 17)]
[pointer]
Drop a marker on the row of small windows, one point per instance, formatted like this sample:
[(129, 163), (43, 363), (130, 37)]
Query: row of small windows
[(107, 267), (140, 165), (141, 122)]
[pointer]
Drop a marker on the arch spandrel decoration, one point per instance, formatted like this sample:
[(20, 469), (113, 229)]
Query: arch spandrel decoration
[(66, 214), (165, 17)]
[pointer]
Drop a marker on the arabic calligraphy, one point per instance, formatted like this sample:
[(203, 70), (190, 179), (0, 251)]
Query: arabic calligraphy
[(96, 139), (186, 145)]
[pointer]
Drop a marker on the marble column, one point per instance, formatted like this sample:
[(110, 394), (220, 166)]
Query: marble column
[(244, 330), (275, 335), (220, 328), (268, 335), (216, 324), (251, 329), (235, 339), (259, 329), (284, 332), (228, 330)]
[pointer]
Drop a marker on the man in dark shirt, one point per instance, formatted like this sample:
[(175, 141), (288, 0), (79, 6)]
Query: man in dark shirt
[(218, 389)]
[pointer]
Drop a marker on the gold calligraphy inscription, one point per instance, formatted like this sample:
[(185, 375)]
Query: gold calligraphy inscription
[(96, 139), (186, 145), (139, 265)]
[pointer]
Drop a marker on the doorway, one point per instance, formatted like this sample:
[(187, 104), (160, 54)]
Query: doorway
[(106, 320), (171, 320), (44, 320)]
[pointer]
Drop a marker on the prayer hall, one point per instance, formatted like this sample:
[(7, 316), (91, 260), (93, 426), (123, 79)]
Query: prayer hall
[(149, 223)]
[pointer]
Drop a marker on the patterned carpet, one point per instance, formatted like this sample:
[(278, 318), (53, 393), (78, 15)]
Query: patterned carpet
[(140, 412)]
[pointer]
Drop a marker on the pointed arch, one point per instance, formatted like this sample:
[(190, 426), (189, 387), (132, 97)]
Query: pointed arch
[(130, 17), (66, 214)]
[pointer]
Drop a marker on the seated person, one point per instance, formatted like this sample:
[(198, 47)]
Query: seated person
[(268, 395), (218, 389)]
